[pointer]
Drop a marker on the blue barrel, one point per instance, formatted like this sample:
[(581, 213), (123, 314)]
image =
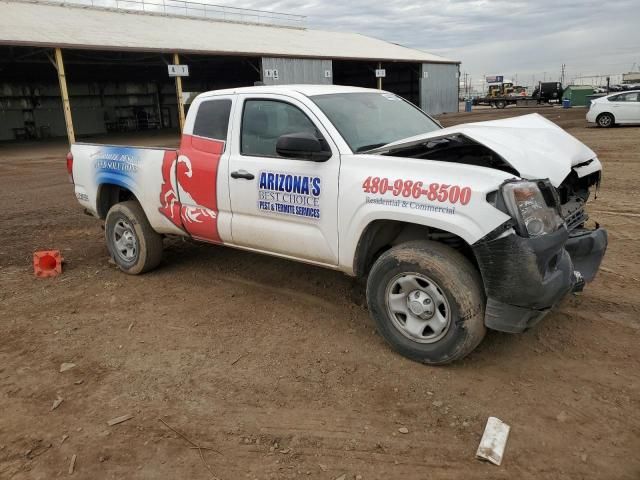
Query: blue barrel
[(566, 103), (467, 105)]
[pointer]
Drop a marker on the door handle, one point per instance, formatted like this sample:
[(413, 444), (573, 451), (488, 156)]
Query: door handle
[(242, 174)]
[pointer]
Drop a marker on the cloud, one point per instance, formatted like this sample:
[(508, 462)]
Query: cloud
[(490, 36)]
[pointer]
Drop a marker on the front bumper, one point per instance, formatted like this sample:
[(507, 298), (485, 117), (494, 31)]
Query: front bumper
[(525, 277)]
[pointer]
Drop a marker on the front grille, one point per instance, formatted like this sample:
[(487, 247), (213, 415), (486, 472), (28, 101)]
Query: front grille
[(574, 214)]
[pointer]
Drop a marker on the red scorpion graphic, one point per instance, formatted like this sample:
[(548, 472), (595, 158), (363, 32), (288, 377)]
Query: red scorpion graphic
[(188, 200)]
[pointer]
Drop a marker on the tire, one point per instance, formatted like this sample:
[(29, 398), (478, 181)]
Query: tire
[(605, 120), (133, 244), (501, 104), (438, 273)]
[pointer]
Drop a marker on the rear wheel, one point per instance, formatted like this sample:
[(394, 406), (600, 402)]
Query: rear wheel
[(428, 302), (605, 120), (501, 104), (132, 242)]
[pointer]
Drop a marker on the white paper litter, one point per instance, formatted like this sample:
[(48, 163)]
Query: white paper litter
[(493, 441)]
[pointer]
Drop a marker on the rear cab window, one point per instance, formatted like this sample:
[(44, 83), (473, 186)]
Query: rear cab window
[(212, 119)]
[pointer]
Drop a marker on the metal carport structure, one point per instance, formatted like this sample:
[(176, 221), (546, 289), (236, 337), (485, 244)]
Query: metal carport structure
[(280, 52)]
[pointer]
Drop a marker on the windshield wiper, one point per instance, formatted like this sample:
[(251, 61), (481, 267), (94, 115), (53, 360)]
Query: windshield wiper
[(366, 148)]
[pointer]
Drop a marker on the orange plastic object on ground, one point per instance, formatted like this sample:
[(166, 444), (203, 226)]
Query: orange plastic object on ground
[(47, 263)]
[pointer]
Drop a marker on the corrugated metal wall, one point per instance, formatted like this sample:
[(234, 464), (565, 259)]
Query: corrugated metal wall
[(296, 70), (439, 88)]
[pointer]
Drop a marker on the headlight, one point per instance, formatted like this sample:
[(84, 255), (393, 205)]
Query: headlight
[(527, 205)]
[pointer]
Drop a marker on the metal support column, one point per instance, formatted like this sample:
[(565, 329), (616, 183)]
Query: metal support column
[(379, 79), (176, 61), (66, 106), (465, 82)]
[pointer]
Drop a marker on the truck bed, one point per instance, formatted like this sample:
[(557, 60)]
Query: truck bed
[(144, 171)]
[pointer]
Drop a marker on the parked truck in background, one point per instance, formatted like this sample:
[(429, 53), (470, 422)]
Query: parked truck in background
[(548, 92), (502, 94), (455, 230)]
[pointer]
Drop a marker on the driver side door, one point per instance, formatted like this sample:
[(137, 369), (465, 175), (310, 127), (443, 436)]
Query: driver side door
[(286, 206)]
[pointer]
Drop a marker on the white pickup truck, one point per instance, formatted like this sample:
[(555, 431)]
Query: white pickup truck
[(456, 229)]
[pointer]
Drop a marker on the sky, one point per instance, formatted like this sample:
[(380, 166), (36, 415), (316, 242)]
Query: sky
[(527, 40)]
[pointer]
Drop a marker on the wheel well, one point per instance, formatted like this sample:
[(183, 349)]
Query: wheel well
[(110, 194), (381, 235)]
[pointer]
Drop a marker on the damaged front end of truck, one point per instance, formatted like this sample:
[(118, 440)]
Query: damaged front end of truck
[(545, 250), (531, 262)]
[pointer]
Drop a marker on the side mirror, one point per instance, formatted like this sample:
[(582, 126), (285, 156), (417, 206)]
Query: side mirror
[(302, 145)]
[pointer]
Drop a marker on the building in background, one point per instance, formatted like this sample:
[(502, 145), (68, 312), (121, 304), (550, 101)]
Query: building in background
[(115, 62), (631, 77)]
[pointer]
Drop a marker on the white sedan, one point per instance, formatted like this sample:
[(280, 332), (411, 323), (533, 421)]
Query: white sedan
[(618, 108)]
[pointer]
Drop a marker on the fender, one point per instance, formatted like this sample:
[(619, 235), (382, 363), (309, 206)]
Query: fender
[(463, 228), (470, 217)]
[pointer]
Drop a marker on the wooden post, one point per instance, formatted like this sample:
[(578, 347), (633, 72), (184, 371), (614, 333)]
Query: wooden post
[(66, 106), (176, 61), (379, 79)]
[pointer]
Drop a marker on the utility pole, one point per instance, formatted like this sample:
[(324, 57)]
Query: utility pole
[(562, 73)]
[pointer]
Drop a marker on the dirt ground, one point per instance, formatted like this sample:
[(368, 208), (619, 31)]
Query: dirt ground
[(276, 368)]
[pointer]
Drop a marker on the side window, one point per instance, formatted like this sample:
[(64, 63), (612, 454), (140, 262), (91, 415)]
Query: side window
[(626, 97), (212, 119), (264, 121)]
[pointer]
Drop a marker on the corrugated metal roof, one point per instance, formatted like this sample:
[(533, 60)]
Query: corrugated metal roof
[(42, 24)]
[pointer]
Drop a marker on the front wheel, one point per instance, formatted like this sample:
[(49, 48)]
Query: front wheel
[(132, 242), (427, 301)]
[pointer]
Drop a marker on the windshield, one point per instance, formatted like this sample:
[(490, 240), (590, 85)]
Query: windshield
[(370, 120)]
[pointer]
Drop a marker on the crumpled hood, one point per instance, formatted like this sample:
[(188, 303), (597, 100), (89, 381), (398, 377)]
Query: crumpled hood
[(533, 145)]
